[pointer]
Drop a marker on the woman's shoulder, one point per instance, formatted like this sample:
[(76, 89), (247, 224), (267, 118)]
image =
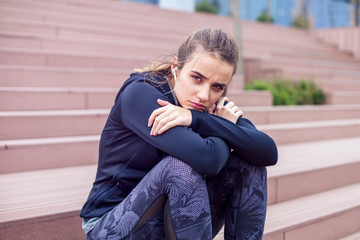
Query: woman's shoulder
[(146, 83)]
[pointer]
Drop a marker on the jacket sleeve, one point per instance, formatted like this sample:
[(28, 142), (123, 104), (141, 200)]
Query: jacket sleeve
[(249, 143), (207, 155)]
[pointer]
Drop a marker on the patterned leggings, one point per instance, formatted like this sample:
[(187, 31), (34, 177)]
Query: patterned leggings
[(174, 202)]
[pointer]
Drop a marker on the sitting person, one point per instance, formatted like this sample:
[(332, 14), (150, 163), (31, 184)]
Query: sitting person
[(177, 160)]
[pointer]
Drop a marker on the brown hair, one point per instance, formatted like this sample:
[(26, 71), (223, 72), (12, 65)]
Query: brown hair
[(211, 41)]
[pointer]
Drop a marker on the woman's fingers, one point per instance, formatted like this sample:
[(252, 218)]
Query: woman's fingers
[(158, 111), (168, 116), (229, 111), (160, 124), (162, 102), (154, 114)]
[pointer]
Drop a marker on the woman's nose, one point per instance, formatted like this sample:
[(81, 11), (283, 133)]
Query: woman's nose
[(203, 93)]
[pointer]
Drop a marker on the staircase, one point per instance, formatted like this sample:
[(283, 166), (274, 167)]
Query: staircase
[(62, 63)]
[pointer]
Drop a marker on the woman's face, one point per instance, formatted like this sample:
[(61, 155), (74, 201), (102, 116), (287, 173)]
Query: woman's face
[(201, 81)]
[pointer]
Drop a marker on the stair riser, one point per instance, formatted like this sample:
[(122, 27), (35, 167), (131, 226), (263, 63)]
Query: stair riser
[(78, 46), (256, 99), (17, 127), (39, 59), (331, 228), (17, 101), (22, 77), (86, 12), (121, 25), (343, 87), (50, 126), (319, 68), (282, 188), (298, 135), (287, 116), (42, 230), (45, 156), (333, 99)]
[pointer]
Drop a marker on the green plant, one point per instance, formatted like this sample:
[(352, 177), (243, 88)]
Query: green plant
[(265, 17), (300, 22), (205, 6), (258, 85), (286, 92)]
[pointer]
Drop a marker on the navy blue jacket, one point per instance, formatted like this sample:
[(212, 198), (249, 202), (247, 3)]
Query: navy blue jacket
[(127, 151)]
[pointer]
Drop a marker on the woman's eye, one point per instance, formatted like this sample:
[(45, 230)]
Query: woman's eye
[(196, 78), (219, 88)]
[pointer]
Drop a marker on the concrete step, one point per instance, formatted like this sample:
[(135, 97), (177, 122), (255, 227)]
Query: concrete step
[(44, 153), (70, 186), (313, 218), (305, 113), (15, 56), (34, 15), (296, 132), (107, 10), (121, 34), (41, 76), (320, 216), (29, 14), (29, 41), (338, 86), (321, 55), (77, 122), (313, 167), (313, 65), (331, 63), (39, 124), (62, 196), (29, 154), (343, 97), (37, 28), (314, 72), (355, 236), (18, 99)]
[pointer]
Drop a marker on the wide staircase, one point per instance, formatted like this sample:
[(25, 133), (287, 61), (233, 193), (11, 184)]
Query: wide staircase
[(63, 61)]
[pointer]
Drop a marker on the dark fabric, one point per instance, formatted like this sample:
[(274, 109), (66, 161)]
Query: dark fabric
[(187, 202), (237, 195), (238, 199), (127, 152)]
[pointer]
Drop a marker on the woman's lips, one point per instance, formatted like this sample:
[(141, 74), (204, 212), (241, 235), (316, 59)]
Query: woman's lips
[(197, 106)]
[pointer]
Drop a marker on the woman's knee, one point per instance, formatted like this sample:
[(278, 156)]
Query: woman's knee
[(181, 174), (239, 165)]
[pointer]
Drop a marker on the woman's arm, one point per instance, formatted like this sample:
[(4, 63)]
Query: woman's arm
[(249, 143), (252, 145), (206, 155)]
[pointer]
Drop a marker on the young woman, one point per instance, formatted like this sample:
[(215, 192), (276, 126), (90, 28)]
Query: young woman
[(177, 160)]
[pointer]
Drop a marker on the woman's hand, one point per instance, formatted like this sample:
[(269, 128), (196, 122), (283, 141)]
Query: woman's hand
[(168, 116), (228, 111)]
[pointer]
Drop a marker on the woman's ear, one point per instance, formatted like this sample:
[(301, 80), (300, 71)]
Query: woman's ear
[(174, 63)]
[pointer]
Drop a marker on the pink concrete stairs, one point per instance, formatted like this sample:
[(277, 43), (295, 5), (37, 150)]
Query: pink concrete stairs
[(61, 64)]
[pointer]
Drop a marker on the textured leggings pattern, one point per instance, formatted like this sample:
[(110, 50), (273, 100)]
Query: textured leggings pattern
[(188, 205), (236, 196)]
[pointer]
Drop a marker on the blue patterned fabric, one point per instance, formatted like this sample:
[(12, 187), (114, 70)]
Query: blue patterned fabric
[(198, 206)]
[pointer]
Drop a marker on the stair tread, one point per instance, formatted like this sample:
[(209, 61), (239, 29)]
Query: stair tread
[(280, 216), (310, 124), (355, 236), (77, 112), (6, 144), (308, 156), (285, 215)]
